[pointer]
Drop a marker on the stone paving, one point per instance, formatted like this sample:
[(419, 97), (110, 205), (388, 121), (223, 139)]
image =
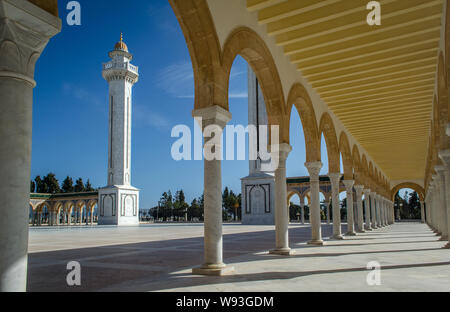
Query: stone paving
[(159, 257)]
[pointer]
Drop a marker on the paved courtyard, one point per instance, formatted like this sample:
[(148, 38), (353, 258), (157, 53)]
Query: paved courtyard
[(159, 257)]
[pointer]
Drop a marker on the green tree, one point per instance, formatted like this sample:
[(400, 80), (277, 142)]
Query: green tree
[(79, 186), (180, 206), (88, 187), (32, 186), (230, 204), (67, 186), (194, 210), (166, 208), (293, 210), (51, 184), (40, 187), (414, 205)]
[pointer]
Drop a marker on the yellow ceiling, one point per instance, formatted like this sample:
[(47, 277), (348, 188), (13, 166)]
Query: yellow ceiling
[(378, 80)]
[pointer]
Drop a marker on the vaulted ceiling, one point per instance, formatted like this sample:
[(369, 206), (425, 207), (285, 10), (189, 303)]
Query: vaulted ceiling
[(378, 80)]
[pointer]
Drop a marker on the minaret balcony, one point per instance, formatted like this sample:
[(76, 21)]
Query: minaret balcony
[(120, 66), (115, 70)]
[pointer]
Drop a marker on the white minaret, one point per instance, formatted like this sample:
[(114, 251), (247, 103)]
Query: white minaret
[(119, 201), (258, 188)]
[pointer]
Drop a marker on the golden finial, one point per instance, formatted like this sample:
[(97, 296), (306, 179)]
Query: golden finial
[(121, 36)]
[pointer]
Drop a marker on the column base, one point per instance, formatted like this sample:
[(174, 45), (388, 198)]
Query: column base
[(213, 270), (447, 246), (360, 231), (368, 229), (337, 237), (317, 242), (443, 238), (282, 252), (438, 234), (350, 234)]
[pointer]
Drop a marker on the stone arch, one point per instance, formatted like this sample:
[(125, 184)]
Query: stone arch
[(245, 42), (291, 194), (58, 207), (203, 44), (416, 187), (442, 105), (91, 204), (299, 97), (371, 175), (365, 170), (68, 206), (347, 159), (357, 165), (436, 133), (326, 127), (447, 40)]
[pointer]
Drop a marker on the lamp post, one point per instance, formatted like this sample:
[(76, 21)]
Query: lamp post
[(399, 210), (157, 211), (236, 206)]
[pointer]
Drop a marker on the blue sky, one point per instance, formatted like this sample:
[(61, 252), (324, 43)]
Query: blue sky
[(70, 101)]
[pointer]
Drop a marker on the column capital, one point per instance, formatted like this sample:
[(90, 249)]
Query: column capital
[(444, 155), (313, 169), (367, 191), (26, 31), (334, 176), (348, 184), (281, 149), (213, 115), (439, 169), (359, 188)]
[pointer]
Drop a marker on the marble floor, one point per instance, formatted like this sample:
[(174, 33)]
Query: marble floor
[(159, 257)]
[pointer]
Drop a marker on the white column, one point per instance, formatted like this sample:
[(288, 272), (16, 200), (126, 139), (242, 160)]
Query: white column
[(442, 201), (212, 120), (377, 210), (422, 211), (360, 221), (392, 212), (26, 30), (327, 208), (445, 156), (367, 207), (334, 179), (436, 206), (384, 205), (314, 207), (373, 210), (350, 217), (281, 209), (431, 201), (302, 210)]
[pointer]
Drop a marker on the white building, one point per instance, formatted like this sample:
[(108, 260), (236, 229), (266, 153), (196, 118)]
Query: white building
[(258, 197), (119, 201)]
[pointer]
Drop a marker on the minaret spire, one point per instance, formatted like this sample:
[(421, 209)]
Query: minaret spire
[(119, 201)]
